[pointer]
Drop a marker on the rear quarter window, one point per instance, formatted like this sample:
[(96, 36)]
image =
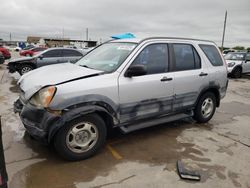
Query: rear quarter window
[(212, 54)]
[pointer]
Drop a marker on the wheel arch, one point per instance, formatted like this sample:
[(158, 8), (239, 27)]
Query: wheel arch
[(19, 65), (237, 66), (214, 90), (109, 118)]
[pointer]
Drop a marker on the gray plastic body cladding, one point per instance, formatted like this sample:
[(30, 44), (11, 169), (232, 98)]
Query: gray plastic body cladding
[(143, 109), (83, 99)]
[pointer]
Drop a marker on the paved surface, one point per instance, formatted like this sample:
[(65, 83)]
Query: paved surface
[(219, 150)]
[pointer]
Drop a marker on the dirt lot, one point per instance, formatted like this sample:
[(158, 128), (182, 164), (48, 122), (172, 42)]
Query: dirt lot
[(219, 150)]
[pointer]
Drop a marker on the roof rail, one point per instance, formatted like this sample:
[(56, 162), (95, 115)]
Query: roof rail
[(179, 38)]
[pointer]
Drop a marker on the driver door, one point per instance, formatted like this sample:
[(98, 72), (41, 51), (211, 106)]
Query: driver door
[(149, 95)]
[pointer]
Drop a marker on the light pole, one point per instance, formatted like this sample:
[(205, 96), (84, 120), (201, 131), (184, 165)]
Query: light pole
[(224, 29)]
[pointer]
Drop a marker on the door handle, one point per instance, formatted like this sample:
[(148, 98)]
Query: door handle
[(203, 74), (164, 79)]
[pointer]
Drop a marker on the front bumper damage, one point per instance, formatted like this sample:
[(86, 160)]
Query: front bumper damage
[(11, 67), (37, 121)]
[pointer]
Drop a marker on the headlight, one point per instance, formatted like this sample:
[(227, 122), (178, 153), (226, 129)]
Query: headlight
[(43, 97), (231, 64)]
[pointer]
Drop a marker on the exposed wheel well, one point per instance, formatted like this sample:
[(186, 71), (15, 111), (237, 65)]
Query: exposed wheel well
[(107, 119)]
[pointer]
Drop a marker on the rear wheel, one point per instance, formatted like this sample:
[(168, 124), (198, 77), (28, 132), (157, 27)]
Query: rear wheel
[(81, 138), (237, 72), (205, 108), (24, 69)]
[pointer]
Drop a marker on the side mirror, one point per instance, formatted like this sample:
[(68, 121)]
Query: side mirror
[(136, 70), (40, 57)]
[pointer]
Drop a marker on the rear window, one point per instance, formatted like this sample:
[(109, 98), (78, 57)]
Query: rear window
[(212, 54)]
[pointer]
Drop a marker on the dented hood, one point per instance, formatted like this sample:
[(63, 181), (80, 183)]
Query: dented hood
[(33, 81)]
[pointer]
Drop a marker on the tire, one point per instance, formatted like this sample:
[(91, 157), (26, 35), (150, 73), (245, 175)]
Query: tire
[(237, 72), (24, 69), (203, 114), (70, 139)]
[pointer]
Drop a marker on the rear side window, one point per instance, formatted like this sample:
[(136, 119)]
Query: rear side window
[(212, 54), (186, 57), (71, 53), (53, 53)]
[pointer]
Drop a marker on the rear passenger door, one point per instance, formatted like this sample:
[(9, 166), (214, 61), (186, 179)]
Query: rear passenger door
[(71, 56), (190, 75), (53, 56)]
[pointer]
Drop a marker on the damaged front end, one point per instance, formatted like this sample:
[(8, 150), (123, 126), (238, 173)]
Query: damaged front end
[(37, 121)]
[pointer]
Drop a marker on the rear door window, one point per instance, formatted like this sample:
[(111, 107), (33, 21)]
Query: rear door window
[(53, 53), (186, 57), (212, 54), (71, 53)]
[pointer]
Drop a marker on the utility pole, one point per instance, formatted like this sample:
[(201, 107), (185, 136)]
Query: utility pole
[(87, 34), (10, 37), (224, 29)]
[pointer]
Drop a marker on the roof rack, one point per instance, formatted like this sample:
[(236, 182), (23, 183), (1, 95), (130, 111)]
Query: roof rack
[(179, 38)]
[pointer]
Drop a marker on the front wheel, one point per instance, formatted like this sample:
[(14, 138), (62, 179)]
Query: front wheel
[(205, 108), (81, 138), (24, 69)]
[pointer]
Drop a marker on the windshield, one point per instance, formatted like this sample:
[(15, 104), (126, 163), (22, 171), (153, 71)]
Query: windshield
[(107, 57), (235, 56)]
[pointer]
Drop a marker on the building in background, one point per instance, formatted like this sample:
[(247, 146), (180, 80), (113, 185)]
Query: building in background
[(60, 42)]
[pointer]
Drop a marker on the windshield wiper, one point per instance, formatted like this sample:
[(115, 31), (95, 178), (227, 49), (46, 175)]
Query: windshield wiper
[(86, 66)]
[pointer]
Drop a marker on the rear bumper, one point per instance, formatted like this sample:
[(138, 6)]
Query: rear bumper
[(37, 121)]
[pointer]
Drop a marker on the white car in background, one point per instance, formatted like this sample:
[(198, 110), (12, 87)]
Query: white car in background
[(13, 48), (238, 63)]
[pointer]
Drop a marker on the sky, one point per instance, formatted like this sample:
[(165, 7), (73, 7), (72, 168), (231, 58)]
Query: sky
[(202, 19)]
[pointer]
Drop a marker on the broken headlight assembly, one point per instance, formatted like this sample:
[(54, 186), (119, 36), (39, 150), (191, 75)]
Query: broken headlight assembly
[(43, 97)]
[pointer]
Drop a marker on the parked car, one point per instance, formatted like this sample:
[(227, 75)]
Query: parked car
[(47, 57), (1, 58), (5, 52), (238, 63), (31, 52), (225, 52), (129, 84)]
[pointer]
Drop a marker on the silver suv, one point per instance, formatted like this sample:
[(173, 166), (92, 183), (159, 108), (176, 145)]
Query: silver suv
[(129, 84)]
